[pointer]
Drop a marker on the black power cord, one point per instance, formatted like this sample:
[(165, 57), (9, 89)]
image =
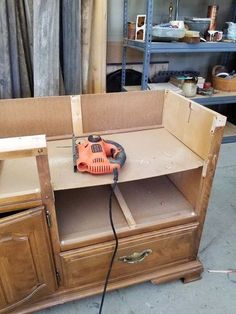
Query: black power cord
[(115, 179)]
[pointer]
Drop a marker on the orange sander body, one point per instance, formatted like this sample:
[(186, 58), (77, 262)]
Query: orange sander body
[(98, 156)]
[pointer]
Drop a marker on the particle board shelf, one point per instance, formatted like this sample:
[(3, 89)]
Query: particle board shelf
[(150, 153), (83, 214)]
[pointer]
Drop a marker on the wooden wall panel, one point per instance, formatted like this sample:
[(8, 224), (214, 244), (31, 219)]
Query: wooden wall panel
[(191, 123), (112, 111), (30, 116)]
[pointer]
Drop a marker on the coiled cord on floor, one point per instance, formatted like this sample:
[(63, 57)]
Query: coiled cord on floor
[(115, 179)]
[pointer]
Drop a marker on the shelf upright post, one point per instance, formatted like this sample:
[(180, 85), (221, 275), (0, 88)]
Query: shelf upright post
[(125, 38), (148, 41)]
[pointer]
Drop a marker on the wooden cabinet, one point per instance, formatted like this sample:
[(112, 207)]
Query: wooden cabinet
[(26, 265), (159, 204)]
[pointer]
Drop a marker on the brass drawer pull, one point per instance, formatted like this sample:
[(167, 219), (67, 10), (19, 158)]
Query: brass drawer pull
[(135, 257)]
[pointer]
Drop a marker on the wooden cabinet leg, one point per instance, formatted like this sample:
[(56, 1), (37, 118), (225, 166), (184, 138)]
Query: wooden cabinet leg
[(192, 276), (189, 272)]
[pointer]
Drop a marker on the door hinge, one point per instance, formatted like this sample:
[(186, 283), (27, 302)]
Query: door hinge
[(48, 217), (58, 276)]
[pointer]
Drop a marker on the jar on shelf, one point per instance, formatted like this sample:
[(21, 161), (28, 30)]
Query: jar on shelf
[(189, 86)]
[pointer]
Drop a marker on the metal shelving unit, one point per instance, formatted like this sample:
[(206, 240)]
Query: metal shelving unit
[(178, 47), (148, 47)]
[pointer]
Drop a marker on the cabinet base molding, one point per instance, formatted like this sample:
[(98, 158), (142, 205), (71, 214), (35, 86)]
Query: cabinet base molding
[(188, 271)]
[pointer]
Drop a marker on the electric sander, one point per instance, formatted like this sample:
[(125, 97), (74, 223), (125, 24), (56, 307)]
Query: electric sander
[(98, 156)]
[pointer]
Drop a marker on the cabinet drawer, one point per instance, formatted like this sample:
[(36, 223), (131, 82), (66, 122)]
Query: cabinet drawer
[(136, 255)]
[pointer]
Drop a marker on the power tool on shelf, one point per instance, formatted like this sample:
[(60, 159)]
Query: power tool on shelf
[(98, 156)]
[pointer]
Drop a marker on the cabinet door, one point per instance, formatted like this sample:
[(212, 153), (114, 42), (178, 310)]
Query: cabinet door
[(26, 264)]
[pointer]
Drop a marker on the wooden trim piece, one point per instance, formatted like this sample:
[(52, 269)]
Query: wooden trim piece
[(128, 130), (125, 209), (26, 146), (24, 300), (48, 202), (20, 206), (20, 201), (73, 243), (76, 115), (59, 137), (207, 180)]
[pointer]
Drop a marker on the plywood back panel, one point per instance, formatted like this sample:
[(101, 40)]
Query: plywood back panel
[(114, 111), (31, 116), (101, 112), (191, 123)]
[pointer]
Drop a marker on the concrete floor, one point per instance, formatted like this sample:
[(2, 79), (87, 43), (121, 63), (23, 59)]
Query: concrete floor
[(214, 294)]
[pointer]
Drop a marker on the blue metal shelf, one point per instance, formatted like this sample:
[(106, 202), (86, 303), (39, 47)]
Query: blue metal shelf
[(216, 100), (148, 47), (229, 139), (179, 47)]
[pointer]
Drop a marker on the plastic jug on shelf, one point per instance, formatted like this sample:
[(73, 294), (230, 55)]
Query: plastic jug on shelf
[(231, 33)]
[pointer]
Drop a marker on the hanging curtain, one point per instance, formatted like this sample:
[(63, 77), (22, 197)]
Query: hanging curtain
[(52, 47), (16, 77)]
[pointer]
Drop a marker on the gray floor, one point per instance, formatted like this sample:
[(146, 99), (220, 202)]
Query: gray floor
[(214, 294)]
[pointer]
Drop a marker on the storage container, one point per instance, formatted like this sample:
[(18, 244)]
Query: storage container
[(223, 84), (167, 33)]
